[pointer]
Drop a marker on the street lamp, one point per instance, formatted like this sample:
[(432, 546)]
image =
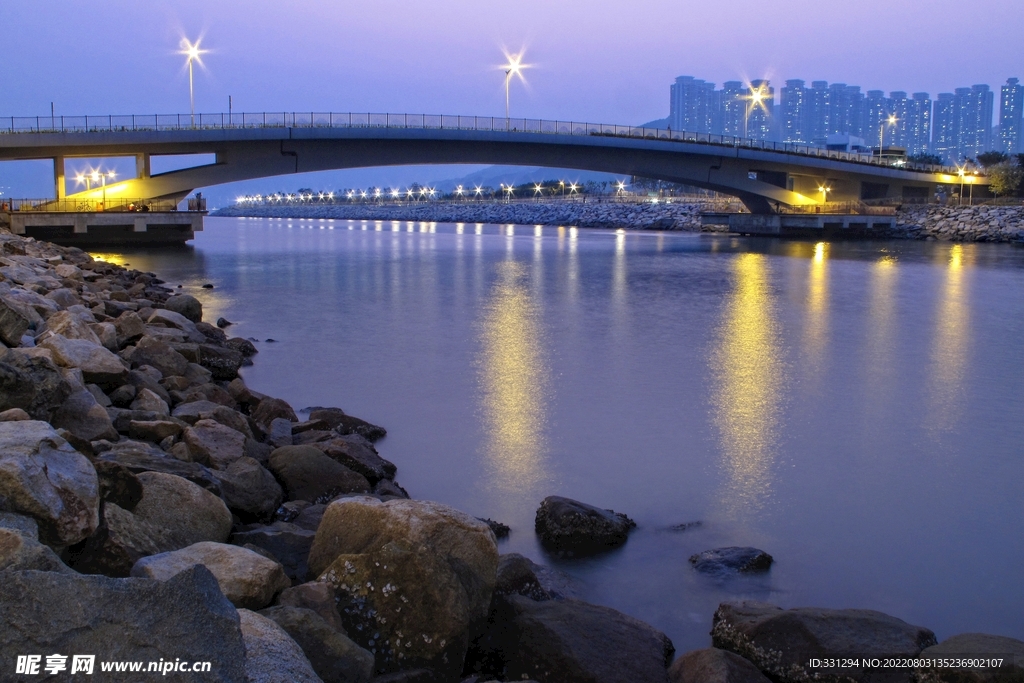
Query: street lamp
[(193, 53), (513, 68), (961, 171), (824, 190), (98, 177), (754, 100), (881, 131)]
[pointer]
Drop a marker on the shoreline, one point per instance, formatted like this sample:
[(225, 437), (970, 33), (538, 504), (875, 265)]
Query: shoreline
[(177, 490), (978, 223)]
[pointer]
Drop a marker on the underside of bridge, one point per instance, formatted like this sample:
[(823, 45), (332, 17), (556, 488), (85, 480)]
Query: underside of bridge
[(762, 179)]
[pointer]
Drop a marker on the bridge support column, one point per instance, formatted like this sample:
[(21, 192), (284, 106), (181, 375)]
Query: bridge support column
[(140, 225), (58, 177), (81, 224), (142, 169)]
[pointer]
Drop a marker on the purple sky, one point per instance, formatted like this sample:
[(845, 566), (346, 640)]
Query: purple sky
[(595, 61)]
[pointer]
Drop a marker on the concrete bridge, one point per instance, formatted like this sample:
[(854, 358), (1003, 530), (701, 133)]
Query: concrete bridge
[(764, 175)]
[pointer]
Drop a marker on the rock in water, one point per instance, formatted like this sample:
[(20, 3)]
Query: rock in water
[(332, 654), (308, 474), (44, 477), (725, 560), (123, 619), (712, 665), (975, 646), (570, 641), (271, 656), (186, 305), (571, 527), (779, 641), (246, 578), (413, 579)]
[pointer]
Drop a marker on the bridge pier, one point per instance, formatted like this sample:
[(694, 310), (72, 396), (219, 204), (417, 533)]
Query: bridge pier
[(106, 228)]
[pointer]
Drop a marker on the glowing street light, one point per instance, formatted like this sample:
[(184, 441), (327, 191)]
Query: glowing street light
[(514, 67), (620, 187), (194, 54), (824, 190), (881, 131), (754, 100), (98, 177), (538, 189), (478, 190)]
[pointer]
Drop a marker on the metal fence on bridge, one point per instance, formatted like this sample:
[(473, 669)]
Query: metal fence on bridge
[(110, 205), (171, 122)]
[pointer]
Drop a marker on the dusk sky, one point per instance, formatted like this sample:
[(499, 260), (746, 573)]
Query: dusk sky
[(594, 61)]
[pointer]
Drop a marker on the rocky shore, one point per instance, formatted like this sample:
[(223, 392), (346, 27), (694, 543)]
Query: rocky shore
[(153, 508), (982, 223)]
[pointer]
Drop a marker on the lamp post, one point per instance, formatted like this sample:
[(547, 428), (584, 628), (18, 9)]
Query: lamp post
[(881, 132), (193, 53), (961, 171), (754, 99), (824, 190), (98, 177), (513, 68)]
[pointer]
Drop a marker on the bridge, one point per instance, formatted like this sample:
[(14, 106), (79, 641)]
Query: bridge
[(763, 175)]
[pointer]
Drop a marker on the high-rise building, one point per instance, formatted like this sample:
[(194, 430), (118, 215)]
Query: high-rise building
[(976, 120), (760, 118), (817, 112), (918, 124), (691, 106), (734, 102), (876, 108), (945, 128), (1011, 103), (795, 112)]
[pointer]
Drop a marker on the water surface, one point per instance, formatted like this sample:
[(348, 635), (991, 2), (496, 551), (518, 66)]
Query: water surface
[(854, 409)]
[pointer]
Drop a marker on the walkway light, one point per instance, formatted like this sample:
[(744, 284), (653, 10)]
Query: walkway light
[(824, 190), (194, 54), (479, 190), (514, 67), (538, 189), (754, 100), (881, 132)]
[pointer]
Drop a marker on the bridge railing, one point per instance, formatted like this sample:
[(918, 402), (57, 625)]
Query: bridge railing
[(167, 122), (110, 205)]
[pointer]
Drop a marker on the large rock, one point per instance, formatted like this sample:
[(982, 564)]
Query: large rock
[(98, 365), (121, 540), (975, 646), (42, 476), (570, 527), (712, 665), (187, 512), (270, 409), (413, 577), (359, 455), (214, 444), (780, 642), (308, 474), (140, 457), (20, 551), (222, 361), (185, 305), (129, 327), (33, 384), (122, 619), (271, 656), (13, 323), (346, 424), (250, 490), (246, 578), (570, 641), (316, 596), (334, 657), (152, 351), (194, 411), (81, 415), (288, 543), (148, 401), (72, 326), (732, 559)]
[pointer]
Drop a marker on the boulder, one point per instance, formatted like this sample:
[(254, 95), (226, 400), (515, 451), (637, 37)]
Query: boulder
[(250, 490), (779, 642), (123, 396), (270, 409), (33, 384), (310, 516), (152, 351), (575, 642), (162, 317), (307, 474), (316, 596), (14, 415), (386, 487), (42, 476), (288, 543), (147, 400), (222, 361), (271, 656), (121, 540), (975, 646), (733, 559), (129, 328), (242, 346), (214, 444), (280, 432), (13, 323), (334, 657), (194, 411), (98, 365), (573, 528), (118, 485), (139, 457), (71, 326), (359, 455), (712, 665), (246, 578), (346, 424), (187, 512), (153, 430), (517, 575), (81, 415), (64, 297), (185, 305), (122, 619), (20, 551), (413, 577), (107, 334)]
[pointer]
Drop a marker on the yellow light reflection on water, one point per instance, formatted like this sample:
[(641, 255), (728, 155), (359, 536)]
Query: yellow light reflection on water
[(949, 350), (116, 259), (816, 330), (513, 381), (749, 374)]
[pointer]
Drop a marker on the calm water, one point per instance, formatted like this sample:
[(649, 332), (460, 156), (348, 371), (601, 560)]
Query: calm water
[(855, 409)]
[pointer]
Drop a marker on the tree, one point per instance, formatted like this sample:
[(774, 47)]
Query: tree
[(1005, 177), (987, 159), (925, 159)]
